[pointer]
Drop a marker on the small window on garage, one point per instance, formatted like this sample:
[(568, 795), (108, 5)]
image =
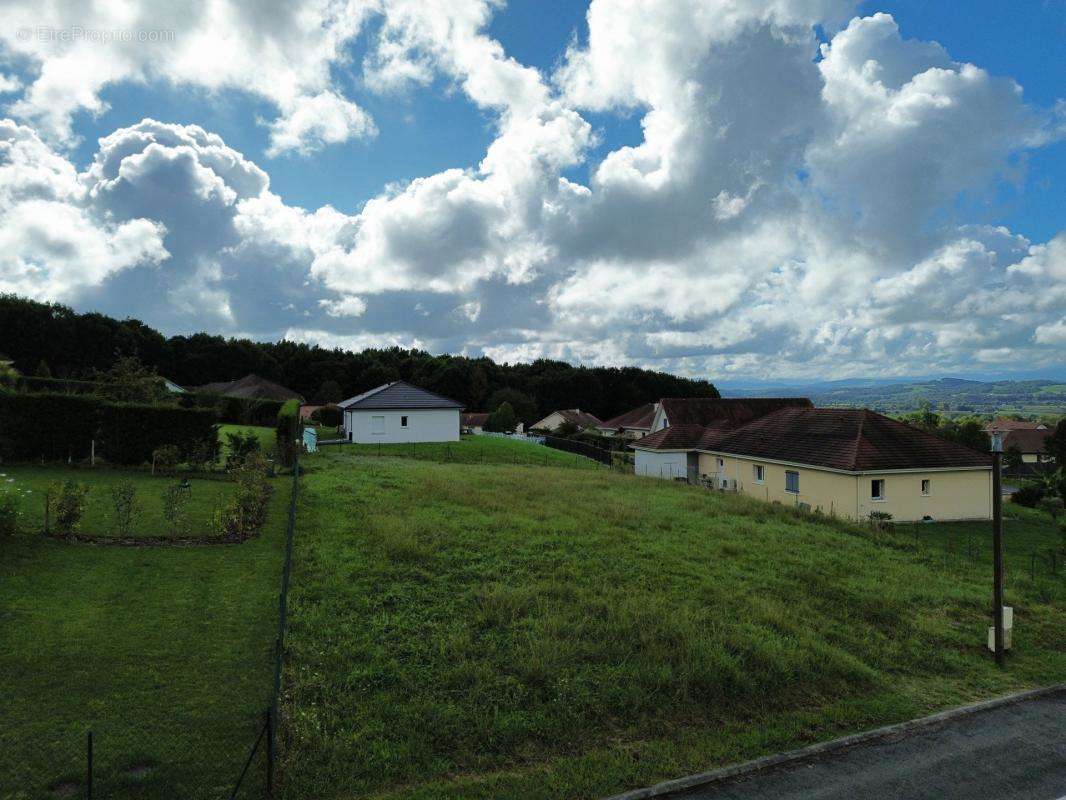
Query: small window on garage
[(927, 486), (760, 473), (721, 464), (877, 489), (792, 481), (377, 425), (403, 422)]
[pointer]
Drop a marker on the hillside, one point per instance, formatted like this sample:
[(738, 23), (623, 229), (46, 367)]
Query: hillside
[(1029, 397), (461, 630)]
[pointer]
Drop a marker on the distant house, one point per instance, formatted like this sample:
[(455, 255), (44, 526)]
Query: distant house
[(172, 387), (1015, 425), (400, 412), (633, 424), (250, 387), (1031, 442), (574, 416), (848, 462), (473, 422), (732, 412)]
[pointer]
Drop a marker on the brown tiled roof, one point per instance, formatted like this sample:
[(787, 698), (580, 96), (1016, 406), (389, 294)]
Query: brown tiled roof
[(1013, 425), (736, 410), (250, 387), (1026, 440), (474, 420), (581, 419), (855, 440), (676, 437), (639, 417)]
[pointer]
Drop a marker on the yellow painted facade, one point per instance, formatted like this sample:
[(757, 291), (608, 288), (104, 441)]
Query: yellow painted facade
[(949, 494)]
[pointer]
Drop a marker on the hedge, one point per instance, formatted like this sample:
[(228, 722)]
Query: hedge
[(286, 430), (235, 410), (57, 427), (328, 416), (130, 432)]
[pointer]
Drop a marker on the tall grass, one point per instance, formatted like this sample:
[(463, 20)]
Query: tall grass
[(469, 631)]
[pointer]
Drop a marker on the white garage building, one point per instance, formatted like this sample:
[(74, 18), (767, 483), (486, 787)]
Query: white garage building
[(400, 412)]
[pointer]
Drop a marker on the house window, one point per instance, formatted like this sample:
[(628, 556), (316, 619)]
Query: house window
[(403, 422), (760, 473), (927, 486), (877, 489), (721, 464), (792, 481), (377, 425)]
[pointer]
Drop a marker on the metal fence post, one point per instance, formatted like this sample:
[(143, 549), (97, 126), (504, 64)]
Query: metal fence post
[(89, 770), (270, 752)]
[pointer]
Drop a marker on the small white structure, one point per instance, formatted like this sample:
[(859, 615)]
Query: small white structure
[(667, 464), (399, 412)]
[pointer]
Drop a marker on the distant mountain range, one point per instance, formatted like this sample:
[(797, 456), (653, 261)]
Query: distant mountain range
[(945, 394)]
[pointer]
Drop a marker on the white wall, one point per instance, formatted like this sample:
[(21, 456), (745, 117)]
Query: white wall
[(423, 425), (655, 464)]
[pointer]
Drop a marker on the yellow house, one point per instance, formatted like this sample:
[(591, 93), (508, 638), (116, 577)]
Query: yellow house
[(846, 462)]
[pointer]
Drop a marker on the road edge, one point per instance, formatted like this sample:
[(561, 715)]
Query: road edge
[(703, 779)]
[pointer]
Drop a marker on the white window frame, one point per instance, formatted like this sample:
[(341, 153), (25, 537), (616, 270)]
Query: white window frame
[(788, 473), (403, 421), (877, 498), (927, 487), (374, 424), (760, 473)]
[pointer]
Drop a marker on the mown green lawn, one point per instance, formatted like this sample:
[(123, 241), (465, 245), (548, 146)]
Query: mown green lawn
[(469, 631), (205, 497), (476, 450), (165, 653)]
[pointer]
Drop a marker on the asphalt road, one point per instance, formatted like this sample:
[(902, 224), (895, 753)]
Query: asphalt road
[(1015, 751)]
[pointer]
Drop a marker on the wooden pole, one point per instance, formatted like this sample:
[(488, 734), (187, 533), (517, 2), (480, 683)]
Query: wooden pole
[(997, 549)]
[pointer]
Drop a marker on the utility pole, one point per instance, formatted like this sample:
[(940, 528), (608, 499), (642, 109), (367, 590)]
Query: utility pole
[(997, 541)]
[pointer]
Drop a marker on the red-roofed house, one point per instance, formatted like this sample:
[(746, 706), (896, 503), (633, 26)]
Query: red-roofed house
[(633, 424), (847, 462), (574, 416)]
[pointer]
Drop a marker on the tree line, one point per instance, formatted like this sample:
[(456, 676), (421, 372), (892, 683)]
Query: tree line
[(50, 339)]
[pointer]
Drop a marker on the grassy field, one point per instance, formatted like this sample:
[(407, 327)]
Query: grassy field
[(469, 631), (476, 450), (165, 653), (205, 497)]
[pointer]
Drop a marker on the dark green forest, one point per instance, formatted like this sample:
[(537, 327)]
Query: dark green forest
[(53, 340)]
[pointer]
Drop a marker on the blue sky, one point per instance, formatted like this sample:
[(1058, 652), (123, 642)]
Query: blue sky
[(403, 176)]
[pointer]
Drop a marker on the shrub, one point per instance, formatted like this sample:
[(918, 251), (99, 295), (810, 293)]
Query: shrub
[(165, 459), (502, 420), (328, 416), (175, 508), (1052, 505), (124, 506), (68, 499), (880, 519), (1028, 494), (10, 511), (247, 511), (241, 445), (286, 431)]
